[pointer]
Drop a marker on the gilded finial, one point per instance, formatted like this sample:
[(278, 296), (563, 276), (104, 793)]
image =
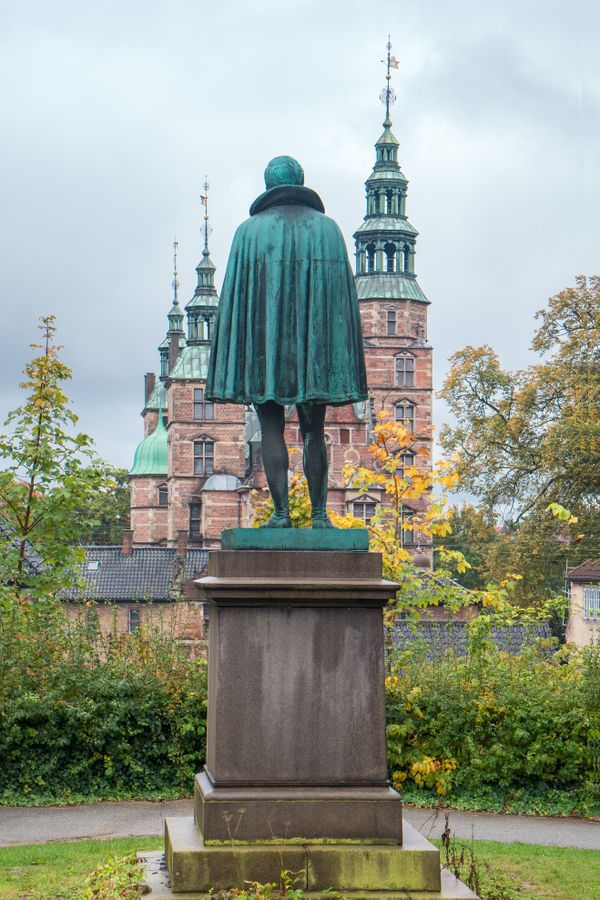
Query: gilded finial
[(204, 200), (175, 281), (388, 96)]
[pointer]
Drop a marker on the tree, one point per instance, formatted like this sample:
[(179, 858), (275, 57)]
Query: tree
[(50, 478), (473, 534), (530, 437), (108, 511)]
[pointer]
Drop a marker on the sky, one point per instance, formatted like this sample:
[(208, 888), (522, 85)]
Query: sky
[(112, 113)]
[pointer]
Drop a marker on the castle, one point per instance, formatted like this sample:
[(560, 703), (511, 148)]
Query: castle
[(196, 468)]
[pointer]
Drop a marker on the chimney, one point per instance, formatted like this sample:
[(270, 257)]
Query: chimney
[(149, 382), (127, 543), (182, 543)]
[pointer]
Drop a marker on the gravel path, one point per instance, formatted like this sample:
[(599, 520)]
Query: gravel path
[(38, 825)]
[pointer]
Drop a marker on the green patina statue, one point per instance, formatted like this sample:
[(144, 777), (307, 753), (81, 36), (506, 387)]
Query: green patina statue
[(288, 329)]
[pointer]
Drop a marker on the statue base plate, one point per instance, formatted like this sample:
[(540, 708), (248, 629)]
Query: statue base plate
[(352, 869), (356, 539)]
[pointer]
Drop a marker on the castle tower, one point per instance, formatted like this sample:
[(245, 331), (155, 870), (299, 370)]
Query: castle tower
[(393, 306), (206, 440)]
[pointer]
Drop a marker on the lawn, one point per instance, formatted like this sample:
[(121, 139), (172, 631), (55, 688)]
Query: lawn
[(56, 871)]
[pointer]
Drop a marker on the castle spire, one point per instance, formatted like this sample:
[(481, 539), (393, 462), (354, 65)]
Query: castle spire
[(202, 308), (386, 241), (175, 316)]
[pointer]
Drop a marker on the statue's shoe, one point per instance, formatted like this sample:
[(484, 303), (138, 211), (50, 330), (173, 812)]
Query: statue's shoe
[(277, 522), (321, 522)]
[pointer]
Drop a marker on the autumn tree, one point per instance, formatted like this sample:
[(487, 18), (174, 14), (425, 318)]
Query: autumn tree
[(49, 478), (530, 437)]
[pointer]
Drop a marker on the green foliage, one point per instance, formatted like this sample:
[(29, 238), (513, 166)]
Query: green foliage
[(528, 443), (534, 434), (107, 513), (493, 726), (85, 717), (49, 478)]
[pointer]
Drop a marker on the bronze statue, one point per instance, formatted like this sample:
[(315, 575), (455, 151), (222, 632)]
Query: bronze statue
[(288, 329)]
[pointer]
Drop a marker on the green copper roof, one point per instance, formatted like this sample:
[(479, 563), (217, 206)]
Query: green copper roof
[(192, 363), (389, 287), (387, 137), (152, 454), (386, 223), (158, 397)]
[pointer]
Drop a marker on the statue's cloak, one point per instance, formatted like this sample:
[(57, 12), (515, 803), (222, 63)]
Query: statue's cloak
[(288, 326)]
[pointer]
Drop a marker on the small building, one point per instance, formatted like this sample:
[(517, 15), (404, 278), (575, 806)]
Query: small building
[(583, 625), (121, 588)]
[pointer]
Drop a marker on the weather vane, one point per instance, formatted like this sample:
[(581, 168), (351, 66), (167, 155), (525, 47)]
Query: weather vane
[(204, 199), (175, 282), (387, 96)]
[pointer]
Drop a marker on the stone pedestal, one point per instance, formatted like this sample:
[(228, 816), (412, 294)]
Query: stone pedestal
[(296, 768)]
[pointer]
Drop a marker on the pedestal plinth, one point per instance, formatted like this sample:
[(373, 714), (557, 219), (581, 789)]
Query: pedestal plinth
[(296, 767)]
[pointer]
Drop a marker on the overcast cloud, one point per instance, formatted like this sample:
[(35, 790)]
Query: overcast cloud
[(112, 113)]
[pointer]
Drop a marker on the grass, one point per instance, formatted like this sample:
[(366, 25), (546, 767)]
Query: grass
[(56, 871), (544, 873)]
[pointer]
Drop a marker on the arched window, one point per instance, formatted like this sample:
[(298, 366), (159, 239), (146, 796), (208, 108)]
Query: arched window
[(364, 508), (390, 257), (195, 513), (407, 252), (204, 457), (163, 495), (370, 257), (390, 322), (389, 202), (404, 414), (405, 370)]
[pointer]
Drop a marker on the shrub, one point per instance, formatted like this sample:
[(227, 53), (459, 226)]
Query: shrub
[(85, 717), (491, 724)]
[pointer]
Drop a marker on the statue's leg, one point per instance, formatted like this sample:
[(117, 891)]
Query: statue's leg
[(271, 417), (312, 421)]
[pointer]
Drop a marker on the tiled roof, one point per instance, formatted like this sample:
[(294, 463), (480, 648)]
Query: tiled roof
[(587, 571), (439, 637), (149, 573)]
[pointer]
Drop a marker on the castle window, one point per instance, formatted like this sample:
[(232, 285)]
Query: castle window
[(406, 461), (390, 322), (204, 457), (370, 257), (390, 257), (407, 258), (405, 370), (364, 508), (404, 413), (195, 519), (163, 495), (389, 203), (133, 620), (203, 409), (344, 435), (408, 534)]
